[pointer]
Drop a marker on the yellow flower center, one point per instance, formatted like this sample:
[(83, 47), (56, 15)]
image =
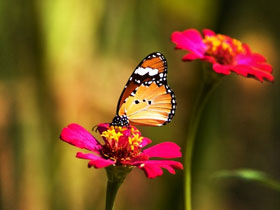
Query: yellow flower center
[(223, 48), (122, 143), (113, 133)]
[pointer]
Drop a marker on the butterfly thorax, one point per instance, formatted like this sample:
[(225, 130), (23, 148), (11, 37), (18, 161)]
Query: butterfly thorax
[(120, 121)]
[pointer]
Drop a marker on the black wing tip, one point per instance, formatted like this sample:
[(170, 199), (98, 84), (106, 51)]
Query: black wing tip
[(155, 54)]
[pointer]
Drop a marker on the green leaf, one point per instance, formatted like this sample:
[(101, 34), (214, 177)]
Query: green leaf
[(250, 175)]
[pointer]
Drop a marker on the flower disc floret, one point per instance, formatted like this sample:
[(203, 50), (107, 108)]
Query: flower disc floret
[(223, 48), (113, 133), (121, 143)]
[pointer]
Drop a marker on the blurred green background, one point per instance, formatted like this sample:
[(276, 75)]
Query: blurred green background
[(67, 61)]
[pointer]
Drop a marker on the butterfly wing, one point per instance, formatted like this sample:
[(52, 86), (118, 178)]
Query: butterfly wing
[(151, 105), (147, 99)]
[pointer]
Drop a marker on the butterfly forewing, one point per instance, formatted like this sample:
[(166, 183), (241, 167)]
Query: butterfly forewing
[(149, 69), (146, 98)]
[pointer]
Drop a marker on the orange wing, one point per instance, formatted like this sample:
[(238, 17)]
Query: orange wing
[(151, 68), (151, 105), (147, 99)]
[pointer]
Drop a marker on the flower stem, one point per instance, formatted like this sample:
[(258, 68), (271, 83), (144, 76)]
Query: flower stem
[(210, 81), (112, 189), (116, 175)]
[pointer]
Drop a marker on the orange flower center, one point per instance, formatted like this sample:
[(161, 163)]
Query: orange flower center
[(223, 48), (123, 143)]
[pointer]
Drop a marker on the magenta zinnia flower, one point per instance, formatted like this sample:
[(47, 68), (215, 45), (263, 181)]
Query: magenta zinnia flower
[(225, 53), (123, 146)]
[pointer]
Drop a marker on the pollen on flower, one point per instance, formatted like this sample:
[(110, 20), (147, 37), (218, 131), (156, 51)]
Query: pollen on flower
[(238, 45), (112, 133), (223, 48), (226, 46), (121, 143), (135, 140)]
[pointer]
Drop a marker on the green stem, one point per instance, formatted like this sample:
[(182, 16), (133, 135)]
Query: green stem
[(207, 87), (112, 189), (116, 175)]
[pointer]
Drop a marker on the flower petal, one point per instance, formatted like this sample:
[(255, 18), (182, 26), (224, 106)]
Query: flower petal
[(190, 57), (145, 142), (253, 72), (153, 168), (190, 40), (102, 127), (78, 136), (164, 150), (255, 65), (95, 161), (208, 32), (221, 69)]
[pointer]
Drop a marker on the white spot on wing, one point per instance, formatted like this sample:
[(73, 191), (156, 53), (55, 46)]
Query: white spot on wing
[(142, 71), (153, 72)]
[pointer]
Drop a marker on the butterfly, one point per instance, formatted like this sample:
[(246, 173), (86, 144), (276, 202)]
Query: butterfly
[(146, 98)]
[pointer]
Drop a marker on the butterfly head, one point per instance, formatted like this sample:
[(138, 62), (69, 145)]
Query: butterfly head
[(120, 121)]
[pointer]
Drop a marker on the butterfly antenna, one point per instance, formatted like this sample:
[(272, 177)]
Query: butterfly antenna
[(94, 128)]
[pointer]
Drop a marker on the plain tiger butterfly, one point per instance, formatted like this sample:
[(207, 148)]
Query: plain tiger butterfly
[(146, 98)]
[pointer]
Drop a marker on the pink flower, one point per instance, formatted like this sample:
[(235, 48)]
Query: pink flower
[(122, 146), (225, 53)]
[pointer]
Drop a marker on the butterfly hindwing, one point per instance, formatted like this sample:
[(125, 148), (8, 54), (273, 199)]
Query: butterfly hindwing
[(151, 105), (146, 98)]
